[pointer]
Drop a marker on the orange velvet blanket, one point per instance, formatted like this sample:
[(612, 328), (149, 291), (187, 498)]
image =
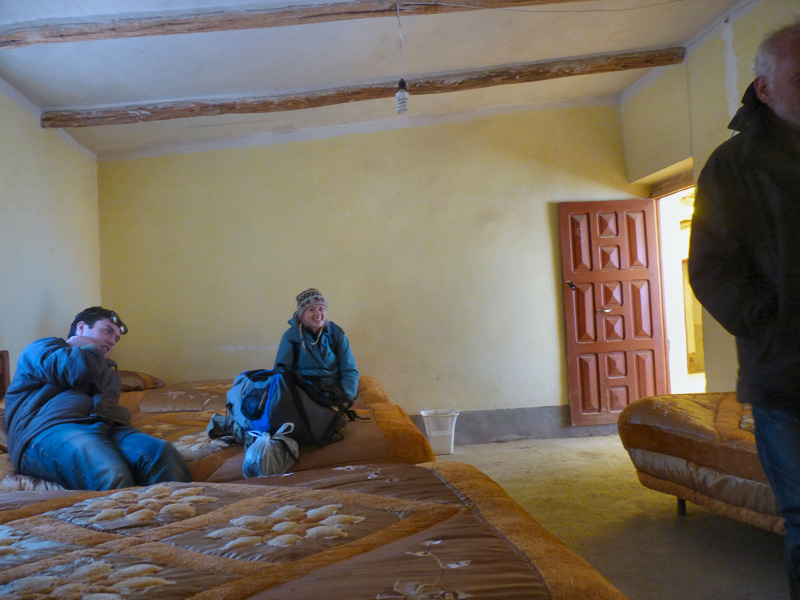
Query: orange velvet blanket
[(439, 530), (701, 448), (180, 414)]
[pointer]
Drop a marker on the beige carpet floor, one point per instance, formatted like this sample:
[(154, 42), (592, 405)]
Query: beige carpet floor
[(585, 491)]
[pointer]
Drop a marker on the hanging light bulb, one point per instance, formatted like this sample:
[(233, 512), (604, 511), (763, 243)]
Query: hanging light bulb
[(401, 97)]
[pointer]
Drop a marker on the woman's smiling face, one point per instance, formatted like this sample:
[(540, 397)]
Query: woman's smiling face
[(314, 317)]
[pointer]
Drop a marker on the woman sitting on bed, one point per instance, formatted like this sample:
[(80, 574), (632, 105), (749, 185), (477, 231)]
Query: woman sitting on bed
[(316, 347)]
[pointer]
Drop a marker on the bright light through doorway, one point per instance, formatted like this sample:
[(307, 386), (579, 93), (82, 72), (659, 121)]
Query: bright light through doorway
[(682, 312)]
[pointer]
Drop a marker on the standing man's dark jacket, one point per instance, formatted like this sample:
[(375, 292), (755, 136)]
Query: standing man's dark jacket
[(744, 258), (56, 383)]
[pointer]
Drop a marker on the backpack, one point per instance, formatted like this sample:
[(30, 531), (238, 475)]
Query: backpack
[(263, 400)]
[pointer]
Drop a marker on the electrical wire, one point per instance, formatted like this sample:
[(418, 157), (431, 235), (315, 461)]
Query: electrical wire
[(542, 10), (400, 37)]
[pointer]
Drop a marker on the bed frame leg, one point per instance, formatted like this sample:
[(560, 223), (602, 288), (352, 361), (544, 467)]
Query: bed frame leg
[(681, 507)]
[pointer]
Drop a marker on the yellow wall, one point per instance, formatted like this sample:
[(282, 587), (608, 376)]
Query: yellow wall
[(717, 71), (707, 68), (436, 247), (49, 236), (710, 113), (656, 131)]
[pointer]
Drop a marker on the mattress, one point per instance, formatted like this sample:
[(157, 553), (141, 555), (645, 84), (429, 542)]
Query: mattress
[(180, 413), (437, 530), (701, 448)]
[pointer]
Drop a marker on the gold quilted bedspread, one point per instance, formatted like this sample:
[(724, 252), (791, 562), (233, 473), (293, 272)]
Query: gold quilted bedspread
[(391, 531), (701, 447), (179, 413)]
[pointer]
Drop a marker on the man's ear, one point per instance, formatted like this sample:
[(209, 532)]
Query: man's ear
[(762, 89), (79, 328)]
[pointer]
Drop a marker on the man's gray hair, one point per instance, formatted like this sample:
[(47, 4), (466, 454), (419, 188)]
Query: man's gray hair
[(769, 50)]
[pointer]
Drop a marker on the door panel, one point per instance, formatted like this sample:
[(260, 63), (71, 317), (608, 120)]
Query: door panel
[(612, 302)]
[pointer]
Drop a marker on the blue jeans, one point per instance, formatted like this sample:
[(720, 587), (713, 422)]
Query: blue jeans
[(101, 456), (778, 441)]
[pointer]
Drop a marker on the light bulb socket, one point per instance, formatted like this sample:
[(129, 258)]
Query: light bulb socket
[(401, 97)]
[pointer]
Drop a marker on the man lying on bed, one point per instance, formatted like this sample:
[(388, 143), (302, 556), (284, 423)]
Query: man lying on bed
[(64, 420)]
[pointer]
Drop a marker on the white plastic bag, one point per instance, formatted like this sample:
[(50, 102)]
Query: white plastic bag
[(270, 455)]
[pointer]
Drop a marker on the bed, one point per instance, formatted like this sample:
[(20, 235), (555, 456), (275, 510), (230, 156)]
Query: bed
[(356, 519), (700, 448), (391, 531), (180, 413)]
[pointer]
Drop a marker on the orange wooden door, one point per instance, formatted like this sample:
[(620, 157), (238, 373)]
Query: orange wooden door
[(612, 302)]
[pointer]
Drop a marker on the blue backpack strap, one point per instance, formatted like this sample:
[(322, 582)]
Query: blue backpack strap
[(296, 346)]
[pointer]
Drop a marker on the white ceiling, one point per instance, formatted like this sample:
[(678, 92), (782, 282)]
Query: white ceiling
[(223, 65)]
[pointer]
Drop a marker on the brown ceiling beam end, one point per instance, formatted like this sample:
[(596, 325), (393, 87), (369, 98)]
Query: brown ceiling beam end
[(170, 23), (438, 84)]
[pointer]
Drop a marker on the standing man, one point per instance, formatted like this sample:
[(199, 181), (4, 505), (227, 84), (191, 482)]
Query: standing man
[(64, 420), (744, 264)]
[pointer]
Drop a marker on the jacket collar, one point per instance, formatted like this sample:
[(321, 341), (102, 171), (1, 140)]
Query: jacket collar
[(752, 107), (755, 121)]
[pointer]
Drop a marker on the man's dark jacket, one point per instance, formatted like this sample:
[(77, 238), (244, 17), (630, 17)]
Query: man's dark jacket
[(56, 383), (744, 257)]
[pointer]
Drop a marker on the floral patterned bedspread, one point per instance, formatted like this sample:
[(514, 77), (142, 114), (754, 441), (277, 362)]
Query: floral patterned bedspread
[(439, 530)]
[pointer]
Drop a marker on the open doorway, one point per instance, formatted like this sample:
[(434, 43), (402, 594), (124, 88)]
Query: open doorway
[(682, 312)]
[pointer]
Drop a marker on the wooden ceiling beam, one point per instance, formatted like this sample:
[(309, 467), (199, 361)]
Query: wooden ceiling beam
[(169, 23), (438, 84)]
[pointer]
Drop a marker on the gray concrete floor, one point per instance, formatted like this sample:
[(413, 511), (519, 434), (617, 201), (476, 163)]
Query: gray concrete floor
[(585, 491)]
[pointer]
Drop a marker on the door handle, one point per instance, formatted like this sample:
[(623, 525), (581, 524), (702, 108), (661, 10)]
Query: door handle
[(572, 286), (603, 310)]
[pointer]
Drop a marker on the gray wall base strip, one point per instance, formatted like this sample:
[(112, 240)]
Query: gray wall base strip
[(486, 426)]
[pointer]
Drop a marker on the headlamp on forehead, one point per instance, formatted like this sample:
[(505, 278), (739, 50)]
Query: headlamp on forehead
[(110, 315), (123, 329)]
